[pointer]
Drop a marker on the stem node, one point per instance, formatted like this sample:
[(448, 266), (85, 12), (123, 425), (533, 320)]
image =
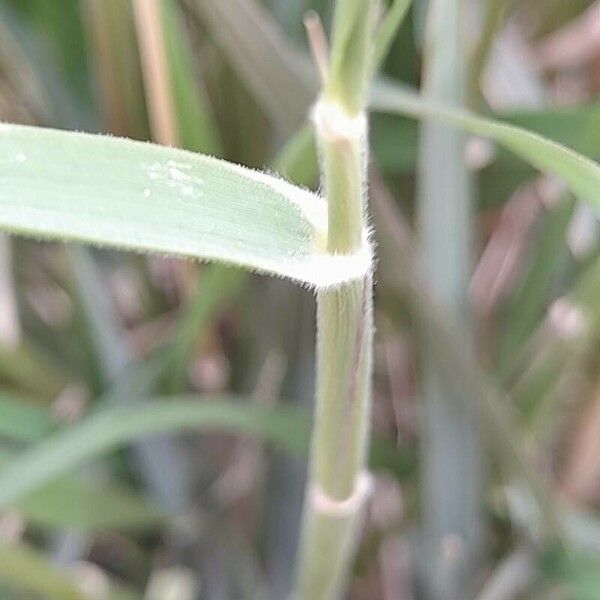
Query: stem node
[(333, 123), (324, 504)]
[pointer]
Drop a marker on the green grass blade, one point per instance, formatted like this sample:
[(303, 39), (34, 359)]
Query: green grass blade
[(398, 274), (113, 427), (116, 426), (197, 129), (387, 31), (351, 50), (576, 127), (69, 502), (136, 196), (579, 172)]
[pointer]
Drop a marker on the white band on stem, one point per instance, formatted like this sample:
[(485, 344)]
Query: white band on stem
[(324, 504), (332, 122)]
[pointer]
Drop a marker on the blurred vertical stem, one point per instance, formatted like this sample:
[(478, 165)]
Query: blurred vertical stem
[(338, 485), (452, 469)]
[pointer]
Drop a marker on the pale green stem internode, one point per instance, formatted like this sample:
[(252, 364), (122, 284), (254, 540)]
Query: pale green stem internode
[(338, 483)]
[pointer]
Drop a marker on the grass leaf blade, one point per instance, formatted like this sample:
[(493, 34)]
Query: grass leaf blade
[(135, 196), (114, 427), (579, 172)]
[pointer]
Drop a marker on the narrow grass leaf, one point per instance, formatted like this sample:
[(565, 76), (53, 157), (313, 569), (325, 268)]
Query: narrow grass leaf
[(579, 172), (575, 127), (197, 129), (135, 196), (114, 427), (387, 31), (69, 502)]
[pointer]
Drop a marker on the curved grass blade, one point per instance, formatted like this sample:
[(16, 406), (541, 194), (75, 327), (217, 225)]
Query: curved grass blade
[(113, 427), (579, 172), (69, 449), (69, 502), (575, 127), (136, 196)]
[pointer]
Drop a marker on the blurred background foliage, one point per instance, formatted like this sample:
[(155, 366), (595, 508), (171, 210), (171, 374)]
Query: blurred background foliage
[(208, 505)]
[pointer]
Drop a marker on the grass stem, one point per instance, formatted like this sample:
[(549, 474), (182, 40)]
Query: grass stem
[(338, 484)]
